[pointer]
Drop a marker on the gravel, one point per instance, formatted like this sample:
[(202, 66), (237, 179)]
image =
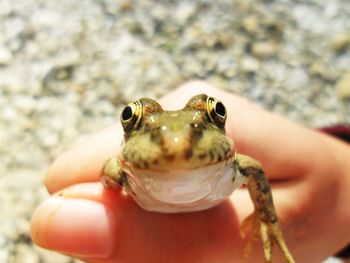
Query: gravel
[(67, 67)]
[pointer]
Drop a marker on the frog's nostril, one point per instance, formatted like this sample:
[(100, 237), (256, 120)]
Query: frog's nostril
[(196, 131), (155, 134)]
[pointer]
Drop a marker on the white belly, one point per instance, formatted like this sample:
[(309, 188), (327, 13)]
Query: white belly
[(184, 190)]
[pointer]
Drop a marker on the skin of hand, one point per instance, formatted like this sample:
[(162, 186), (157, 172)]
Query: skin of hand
[(309, 174)]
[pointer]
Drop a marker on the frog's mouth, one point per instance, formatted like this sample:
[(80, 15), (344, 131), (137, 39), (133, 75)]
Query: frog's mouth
[(183, 190)]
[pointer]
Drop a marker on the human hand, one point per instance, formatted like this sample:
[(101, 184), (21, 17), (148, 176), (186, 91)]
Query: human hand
[(308, 171)]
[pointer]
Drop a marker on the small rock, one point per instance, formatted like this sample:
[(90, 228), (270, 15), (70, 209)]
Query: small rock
[(273, 27), (8, 113), (184, 11), (250, 24), (4, 255), (227, 66), (47, 138), (342, 87), (9, 228), (11, 80), (45, 104), (57, 123), (341, 42), (319, 68), (12, 27), (126, 5), (2, 242), (222, 41), (264, 49), (50, 256), (296, 79), (250, 65), (5, 10), (22, 223), (5, 55), (26, 254), (24, 104)]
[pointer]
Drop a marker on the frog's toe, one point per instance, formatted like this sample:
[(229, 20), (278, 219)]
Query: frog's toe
[(267, 241), (271, 233), (249, 228), (108, 182), (111, 175)]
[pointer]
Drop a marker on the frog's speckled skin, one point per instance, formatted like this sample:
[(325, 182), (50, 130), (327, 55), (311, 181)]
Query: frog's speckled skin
[(199, 141), (159, 145)]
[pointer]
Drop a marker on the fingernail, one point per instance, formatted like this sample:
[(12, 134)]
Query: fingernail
[(79, 227)]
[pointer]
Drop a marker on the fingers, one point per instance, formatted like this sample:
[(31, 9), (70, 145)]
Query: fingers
[(83, 162), (76, 226), (97, 225), (281, 146)]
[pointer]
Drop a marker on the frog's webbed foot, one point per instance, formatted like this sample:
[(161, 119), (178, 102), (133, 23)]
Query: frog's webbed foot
[(112, 176), (268, 233), (263, 222)]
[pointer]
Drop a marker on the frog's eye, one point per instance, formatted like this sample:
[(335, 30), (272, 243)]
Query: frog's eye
[(216, 111), (131, 115)]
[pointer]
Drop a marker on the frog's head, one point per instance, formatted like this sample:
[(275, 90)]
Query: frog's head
[(188, 138), (168, 149)]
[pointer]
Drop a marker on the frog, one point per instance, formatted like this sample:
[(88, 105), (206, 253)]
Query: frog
[(184, 161)]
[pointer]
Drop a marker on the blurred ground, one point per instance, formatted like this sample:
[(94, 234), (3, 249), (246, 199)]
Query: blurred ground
[(67, 67)]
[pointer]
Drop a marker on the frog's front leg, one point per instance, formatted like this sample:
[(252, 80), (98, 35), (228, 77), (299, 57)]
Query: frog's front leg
[(112, 176), (265, 223)]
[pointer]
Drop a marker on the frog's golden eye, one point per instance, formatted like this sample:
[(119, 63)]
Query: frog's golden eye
[(216, 111), (131, 115)]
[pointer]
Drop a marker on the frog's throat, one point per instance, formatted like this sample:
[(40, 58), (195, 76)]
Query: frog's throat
[(183, 190)]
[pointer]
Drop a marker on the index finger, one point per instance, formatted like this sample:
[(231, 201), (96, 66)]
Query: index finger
[(258, 133)]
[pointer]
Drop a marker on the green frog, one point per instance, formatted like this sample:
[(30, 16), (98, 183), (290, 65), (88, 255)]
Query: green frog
[(183, 161)]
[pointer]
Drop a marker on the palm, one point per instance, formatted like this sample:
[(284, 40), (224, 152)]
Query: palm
[(100, 225)]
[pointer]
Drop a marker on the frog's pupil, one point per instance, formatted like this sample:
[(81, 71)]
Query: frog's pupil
[(127, 113), (220, 109)]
